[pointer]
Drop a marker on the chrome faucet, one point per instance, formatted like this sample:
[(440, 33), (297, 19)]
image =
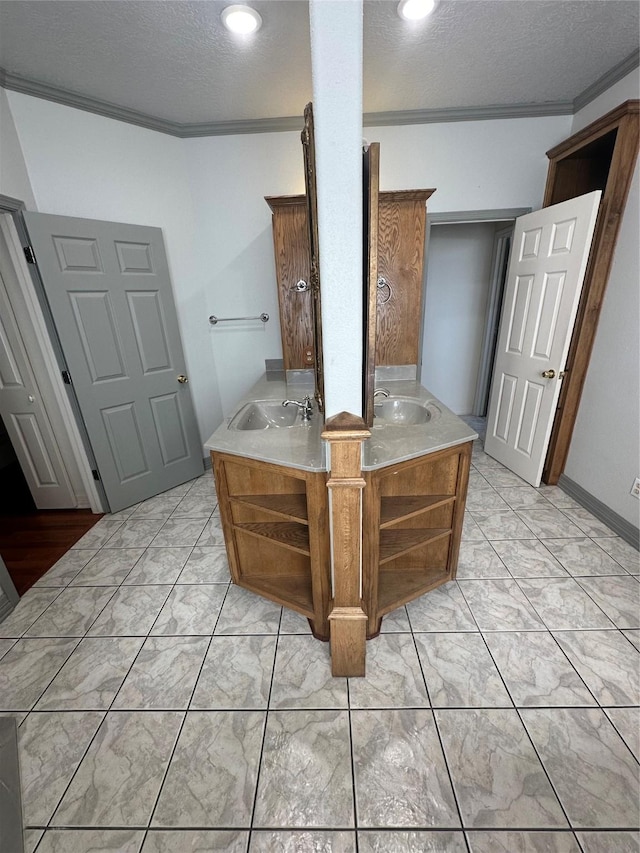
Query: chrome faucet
[(382, 391), (306, 409)]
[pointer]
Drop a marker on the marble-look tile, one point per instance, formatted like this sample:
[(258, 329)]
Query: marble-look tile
[(633, 635), (212, 533), (528, 558), (203, 485), (501, 478), (396, 622), (109, 567), (302, 676), (459, 671), (627, 722), (51, 747), (588, 523), (195, 506), (243, 612), (442, 609), (512, 841), (499, 605), (549, 523), (72, 613), (212, 776), (557, 497), (623, 553), (99, 534), (92, 841), (484, 500), (31, 839), (67, 567), (123, 514), (305, 776), (400, 773), (179, 532), (236, 674), (92, 676), (159, 506), (137, 533), (163, 675), (607, 663), (535, 670), (206, 565), (479, 560), (32, 605), (582, 557), (181, 490), (502, 524), (303, 841), (477, 481), (190, 609), (158, 566), (523, 497), (132, 611), (293, 622), (470, 530), (618, 596), (496, 774), (5, 645), (594, 773), (371, 841), (609, 842), (119, 777), (394, 678), (563, 604), (28, 668), (196, 841), (483, 462)]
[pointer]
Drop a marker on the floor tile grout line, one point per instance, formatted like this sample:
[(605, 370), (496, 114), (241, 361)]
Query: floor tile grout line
[(353, 768), (544, 621), (620, 735)]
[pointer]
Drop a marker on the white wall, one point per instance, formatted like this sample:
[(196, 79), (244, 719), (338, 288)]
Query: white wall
[(604, 456), (456, 294), (14, 179)]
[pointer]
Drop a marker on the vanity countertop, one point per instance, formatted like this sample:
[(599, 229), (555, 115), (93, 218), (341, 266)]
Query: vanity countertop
[(302, 446)]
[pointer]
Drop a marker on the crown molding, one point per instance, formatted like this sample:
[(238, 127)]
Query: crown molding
[(490, 112), (607, 80)]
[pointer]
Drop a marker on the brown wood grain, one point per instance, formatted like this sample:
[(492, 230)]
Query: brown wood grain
[(371, 172)]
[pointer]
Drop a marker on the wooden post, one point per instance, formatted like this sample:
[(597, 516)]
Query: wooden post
[(347, 619)]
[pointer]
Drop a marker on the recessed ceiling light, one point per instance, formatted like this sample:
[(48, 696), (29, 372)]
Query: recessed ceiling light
[(414, 10), (241, 19)]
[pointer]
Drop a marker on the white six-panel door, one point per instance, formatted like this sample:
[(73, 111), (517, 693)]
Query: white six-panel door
[(548, 261)]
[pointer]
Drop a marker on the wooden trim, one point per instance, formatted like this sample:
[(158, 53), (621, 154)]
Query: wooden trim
[(371, 174), (406, 195), (625, 119), (275, 202)]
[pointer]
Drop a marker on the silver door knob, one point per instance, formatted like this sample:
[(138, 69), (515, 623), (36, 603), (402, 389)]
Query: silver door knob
[(31, 398), (549, 374), (182, 379)]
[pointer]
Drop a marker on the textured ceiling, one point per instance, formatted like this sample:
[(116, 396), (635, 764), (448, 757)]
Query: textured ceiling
[(173, 60)]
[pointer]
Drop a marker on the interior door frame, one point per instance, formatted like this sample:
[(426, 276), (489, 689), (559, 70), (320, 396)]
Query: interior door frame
[(47, 367)]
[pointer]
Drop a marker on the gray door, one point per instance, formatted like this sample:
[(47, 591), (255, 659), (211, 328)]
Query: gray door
[(110, 295)]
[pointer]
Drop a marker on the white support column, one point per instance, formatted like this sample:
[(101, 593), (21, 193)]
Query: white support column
[(336, 65)]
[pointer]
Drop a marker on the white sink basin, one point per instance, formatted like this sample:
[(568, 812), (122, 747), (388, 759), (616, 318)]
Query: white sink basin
[(404, 410), (265, 414)]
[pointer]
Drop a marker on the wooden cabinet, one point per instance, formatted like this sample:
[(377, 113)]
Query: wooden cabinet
[(401, 236), (276, 528), (413, 515)]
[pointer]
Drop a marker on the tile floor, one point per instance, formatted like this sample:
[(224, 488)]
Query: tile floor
[(162, 710)]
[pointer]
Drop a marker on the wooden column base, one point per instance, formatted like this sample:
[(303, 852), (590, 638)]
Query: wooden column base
[(348, 636)]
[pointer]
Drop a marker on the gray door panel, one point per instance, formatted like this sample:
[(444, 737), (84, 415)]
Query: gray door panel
[(110, 294)]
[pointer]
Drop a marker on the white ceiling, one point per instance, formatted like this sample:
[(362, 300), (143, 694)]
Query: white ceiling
[(173, 61)]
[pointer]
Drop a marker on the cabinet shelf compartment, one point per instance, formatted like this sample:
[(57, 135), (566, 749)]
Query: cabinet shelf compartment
[(396, 508), (290, 506), (396, 588), (288, 534), (292, 592), (394, 543)]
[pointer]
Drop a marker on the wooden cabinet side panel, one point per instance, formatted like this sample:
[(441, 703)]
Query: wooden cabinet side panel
[(458, 512), (222, 491), (371, 551), (291, 249), (401, 237), (320, 552)]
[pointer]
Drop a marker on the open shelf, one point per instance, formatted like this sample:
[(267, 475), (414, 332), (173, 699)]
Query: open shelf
[(395, 542), (293, 507), (294, 592), (289, 534), (397, 587), (400, 507)]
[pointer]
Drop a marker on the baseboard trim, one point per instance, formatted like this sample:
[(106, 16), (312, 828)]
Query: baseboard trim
[(617, 523), (207, 462)]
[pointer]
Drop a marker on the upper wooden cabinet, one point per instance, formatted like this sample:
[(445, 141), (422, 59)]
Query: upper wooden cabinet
[(401, 237)]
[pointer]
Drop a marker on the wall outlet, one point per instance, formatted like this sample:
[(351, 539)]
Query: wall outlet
[(635, 489)]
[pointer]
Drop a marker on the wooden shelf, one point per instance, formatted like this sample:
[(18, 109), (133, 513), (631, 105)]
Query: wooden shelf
[(288, 534), (395, 542), (397, 587), (293, 507), (294, 592), (400, 507)]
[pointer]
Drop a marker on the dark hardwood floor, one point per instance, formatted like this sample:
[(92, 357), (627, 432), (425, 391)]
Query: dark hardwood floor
[(32, 540)]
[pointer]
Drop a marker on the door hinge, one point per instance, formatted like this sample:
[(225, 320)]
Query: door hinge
[(96, 475), (29, 255), (66, 377)]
